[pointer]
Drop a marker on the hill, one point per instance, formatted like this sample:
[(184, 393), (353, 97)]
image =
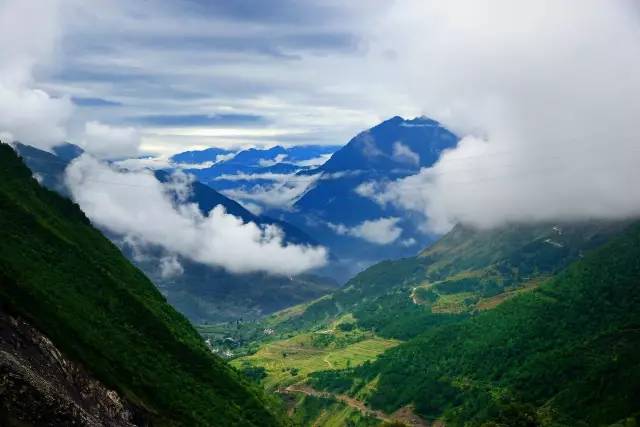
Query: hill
[(64, 278), (562, 354), (467, 273)]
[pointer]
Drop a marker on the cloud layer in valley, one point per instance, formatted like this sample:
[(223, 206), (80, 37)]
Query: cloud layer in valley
[(138, 206)]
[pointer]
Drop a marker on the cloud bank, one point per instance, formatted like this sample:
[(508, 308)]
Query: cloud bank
[(139, 207), (547, 94)]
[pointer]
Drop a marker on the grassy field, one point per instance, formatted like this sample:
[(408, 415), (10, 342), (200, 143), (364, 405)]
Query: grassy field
[(292, 360)]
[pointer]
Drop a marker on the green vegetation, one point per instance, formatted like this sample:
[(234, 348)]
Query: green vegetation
[(328, 412), (451, 280), (565, 353), (290, 361), (465, 277), (61, 274)]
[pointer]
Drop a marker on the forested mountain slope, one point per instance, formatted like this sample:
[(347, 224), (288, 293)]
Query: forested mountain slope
[(467, 270), (563, 354), (68, 281)]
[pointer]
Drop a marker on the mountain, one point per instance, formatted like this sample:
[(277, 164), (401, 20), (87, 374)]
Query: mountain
[(203, 293), (384, 314), (76, 304), (201, 156), (237, 170), (562, 354), (334, 209), (48, 168), (327, 201)]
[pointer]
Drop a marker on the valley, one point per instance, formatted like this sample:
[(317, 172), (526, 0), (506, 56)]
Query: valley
[(285, 213), (357, 352)]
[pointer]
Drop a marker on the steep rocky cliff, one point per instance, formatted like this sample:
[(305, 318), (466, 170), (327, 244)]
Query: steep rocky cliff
[(39, 386)]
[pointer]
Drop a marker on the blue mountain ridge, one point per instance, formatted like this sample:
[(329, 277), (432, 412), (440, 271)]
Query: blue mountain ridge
[(394, 149)]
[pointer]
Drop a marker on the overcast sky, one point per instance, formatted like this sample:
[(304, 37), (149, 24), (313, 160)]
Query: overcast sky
[(185, 73), (545, 93)]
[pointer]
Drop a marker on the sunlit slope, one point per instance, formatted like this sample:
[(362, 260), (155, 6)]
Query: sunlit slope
[(466, 271), (565, 353)]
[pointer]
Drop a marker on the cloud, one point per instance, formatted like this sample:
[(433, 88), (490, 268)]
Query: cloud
[(282, 194), (153, 163), (139, 207), (170, 267), (109, 142), (404, 154), (29, 31), (242, 176), (316, 161), (382, 231), (545, 96), (270, 162)]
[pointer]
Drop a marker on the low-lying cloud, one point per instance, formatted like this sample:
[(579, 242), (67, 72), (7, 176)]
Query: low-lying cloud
[(547, 96), (110, 142), (281, 194), (382, 231), (136, 205)]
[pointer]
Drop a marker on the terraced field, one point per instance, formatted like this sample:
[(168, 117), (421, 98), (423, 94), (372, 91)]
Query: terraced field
[(291, 360)]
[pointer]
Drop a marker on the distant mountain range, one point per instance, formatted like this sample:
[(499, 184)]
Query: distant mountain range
[(247, 168), (325, 200)]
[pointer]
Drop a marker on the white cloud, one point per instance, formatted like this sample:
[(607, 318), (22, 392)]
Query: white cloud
[(408, 242), (340, 229), (108, 142), (170, 267), (139, 163), (281, 194), (270, 176), (136, 205), (316, 161), (254, 208), (404, 154), (270, 162), (382, 231), (547, 95), (29, 31)]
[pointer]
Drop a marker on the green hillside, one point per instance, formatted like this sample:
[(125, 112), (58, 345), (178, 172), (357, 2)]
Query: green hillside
[(65, 278), (563, 354), (464, 272), (464, 277)]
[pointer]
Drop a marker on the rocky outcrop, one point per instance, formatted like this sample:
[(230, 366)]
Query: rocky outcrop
[(39, 386)]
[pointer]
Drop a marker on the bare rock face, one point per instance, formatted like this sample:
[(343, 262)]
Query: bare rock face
[(39, 386)]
